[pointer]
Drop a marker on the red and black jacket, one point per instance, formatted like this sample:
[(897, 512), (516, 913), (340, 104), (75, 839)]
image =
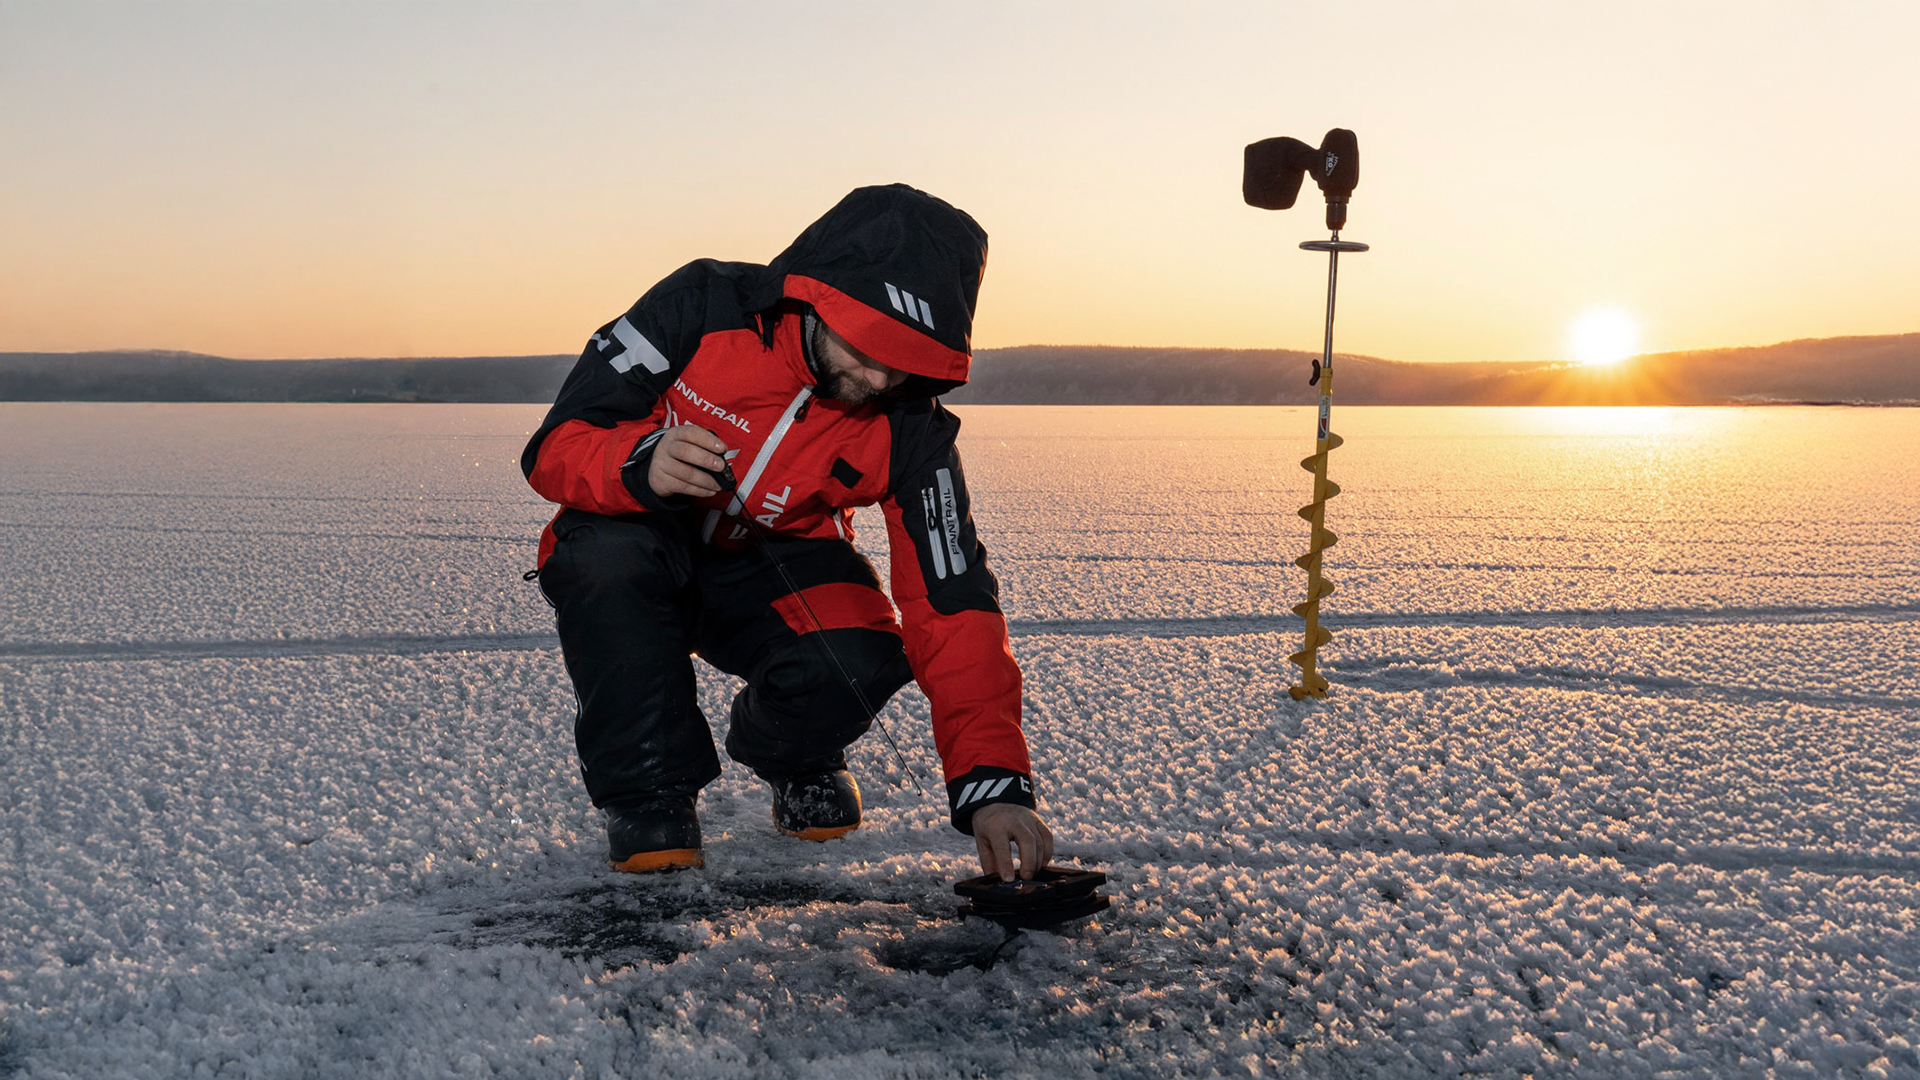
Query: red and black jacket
[(896, 272)]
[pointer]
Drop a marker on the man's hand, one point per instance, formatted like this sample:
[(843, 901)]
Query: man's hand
[(684, 461), (999, 827)]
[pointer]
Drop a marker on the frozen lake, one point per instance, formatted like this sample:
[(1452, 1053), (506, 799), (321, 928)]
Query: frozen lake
[(1619, 775)]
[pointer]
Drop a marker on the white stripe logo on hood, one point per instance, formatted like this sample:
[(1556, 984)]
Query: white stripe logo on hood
[(904, 302)]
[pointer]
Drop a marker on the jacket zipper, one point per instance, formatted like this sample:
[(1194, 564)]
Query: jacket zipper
[(796, 409)]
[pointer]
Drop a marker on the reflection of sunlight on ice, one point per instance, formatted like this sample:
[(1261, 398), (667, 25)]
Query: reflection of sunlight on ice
[(1613, 420)]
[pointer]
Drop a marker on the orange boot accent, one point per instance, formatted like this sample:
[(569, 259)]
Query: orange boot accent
[(816, 833), (647, 862)]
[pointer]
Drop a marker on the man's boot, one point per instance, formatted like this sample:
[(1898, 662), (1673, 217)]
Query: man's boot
[(661, 833), (816, 805)]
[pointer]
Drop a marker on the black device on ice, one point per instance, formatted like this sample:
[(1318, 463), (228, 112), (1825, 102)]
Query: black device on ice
[(1056, 895)]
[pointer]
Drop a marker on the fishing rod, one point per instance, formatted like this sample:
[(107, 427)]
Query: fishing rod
[(730, 485), (1271, 180)]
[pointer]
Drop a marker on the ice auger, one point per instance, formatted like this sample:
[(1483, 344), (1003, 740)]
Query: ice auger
[(1271, 181)]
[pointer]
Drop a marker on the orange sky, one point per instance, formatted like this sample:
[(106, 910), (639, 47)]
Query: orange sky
[(281, 179)]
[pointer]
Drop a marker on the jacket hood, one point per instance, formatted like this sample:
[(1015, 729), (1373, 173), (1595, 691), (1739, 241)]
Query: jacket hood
[(896, 272)]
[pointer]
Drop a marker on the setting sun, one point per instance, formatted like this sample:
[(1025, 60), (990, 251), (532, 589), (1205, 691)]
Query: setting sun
[(1604, 336)]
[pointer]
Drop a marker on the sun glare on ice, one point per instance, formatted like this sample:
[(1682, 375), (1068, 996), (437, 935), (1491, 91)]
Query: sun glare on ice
[(1604, 336)]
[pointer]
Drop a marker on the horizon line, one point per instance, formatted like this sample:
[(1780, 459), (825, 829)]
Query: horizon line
[(976, 352)]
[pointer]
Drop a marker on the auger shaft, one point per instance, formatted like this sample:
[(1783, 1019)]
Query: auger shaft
[(1320, 538)]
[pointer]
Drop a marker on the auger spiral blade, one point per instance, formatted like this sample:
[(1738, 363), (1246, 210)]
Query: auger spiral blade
[(1320, 538)]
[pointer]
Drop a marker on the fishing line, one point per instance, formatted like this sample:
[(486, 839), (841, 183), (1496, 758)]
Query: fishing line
[(730, 485)]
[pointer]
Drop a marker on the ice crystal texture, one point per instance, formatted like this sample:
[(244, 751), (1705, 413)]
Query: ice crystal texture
[(1618, 775)]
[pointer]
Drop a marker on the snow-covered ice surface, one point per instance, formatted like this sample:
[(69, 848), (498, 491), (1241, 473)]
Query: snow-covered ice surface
[(1618, 777)]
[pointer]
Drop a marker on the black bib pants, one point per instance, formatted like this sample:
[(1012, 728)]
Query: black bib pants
[(635, 596)]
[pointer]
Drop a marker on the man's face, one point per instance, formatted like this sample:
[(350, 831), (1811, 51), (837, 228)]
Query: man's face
[(849, 375)]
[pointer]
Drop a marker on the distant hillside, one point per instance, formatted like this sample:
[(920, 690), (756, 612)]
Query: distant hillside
[(1112, 375), (181, 376), (1876, 370), (1853, 370)]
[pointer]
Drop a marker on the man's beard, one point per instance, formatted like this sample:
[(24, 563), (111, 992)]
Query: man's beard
[(844, 386)]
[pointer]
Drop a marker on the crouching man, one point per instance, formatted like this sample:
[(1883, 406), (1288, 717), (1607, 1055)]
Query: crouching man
[(725, 428)]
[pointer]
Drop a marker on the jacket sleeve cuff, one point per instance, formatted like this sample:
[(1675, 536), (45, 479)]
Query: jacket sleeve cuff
[(984, 785), (633, 474)]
